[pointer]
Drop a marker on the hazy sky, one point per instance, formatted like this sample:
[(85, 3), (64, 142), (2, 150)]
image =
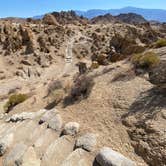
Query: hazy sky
[(25, 8)]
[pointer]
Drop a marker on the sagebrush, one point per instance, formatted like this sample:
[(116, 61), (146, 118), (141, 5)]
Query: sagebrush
[(14, 100), (146, 60)]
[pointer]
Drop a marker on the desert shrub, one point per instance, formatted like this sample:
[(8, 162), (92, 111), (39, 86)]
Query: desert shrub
[(81, 89), (58, 95), (94, 65), (114, 57), (55, 93), (146, 60), (53, 85), (160, 43), (14, 100), (101, 59)]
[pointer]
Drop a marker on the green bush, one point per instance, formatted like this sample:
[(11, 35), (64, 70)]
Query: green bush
[(14, 100), (160, 43), (146, 60)]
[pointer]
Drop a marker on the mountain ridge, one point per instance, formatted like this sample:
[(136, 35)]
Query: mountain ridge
[(149, 14)]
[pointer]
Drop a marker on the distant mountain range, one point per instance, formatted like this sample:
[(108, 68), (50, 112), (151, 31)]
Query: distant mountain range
[(148, 14)]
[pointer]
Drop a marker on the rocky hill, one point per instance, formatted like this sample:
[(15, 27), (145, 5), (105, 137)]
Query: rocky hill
[(76, 93), (105, 19), (64, 18), (130, 18)]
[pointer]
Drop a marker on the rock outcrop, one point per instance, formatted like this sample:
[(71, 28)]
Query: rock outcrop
[(87, 142), (50, 20), (64, 18), (131, 18), (157, 75), (106, 19)]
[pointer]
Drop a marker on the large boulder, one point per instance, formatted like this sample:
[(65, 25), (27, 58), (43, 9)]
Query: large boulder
[(87, 142), (157, 75), (109, 157), (48, 115), (55, 123)]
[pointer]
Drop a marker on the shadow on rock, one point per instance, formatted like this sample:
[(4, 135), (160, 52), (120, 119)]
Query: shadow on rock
[(149, 101)]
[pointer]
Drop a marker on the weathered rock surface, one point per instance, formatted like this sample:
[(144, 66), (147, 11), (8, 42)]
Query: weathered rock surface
[(157, 75), (24, 116), (50, 20), (30, 158), (27, 143), (79, 157), (71, 128), (58, 151), (55, 122), (47, 116), (87, 142), (109, 157), (15, 156), (5, 143)]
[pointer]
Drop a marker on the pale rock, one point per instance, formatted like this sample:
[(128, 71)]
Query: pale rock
[(109, 157), (87, 142), (55, 123), (48, 115), (30, 158), (71, 128), (5, 143)]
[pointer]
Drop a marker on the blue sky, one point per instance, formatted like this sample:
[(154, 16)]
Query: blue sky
[(25, 8)]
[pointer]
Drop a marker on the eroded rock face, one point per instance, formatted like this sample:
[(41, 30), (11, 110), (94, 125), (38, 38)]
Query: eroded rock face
[(50, 20), (157, 75), (69, 17), (12, 43), (43, 44), (131, 18), (27, 39), (146, 123)]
